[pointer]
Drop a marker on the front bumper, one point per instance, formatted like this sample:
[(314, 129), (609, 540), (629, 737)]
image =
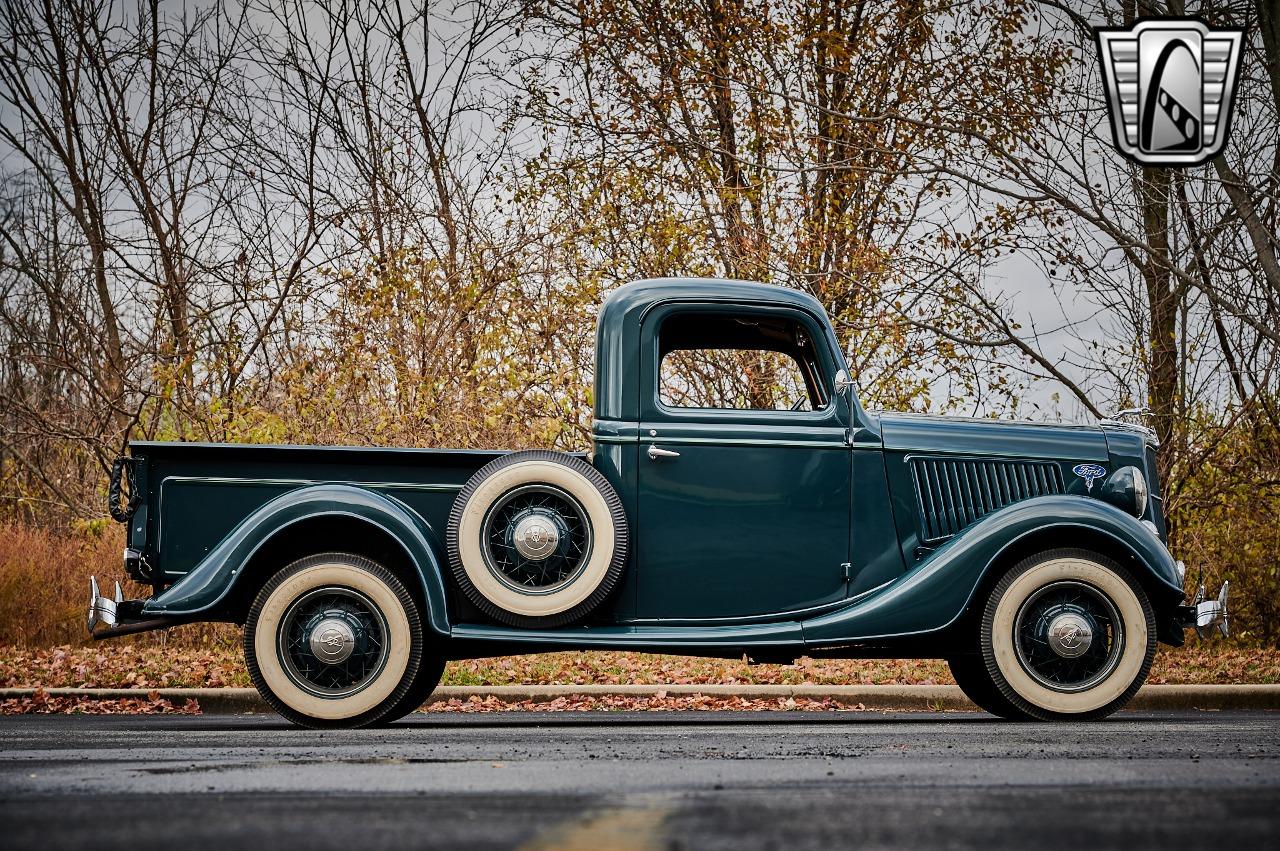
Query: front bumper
[(1203, 615)]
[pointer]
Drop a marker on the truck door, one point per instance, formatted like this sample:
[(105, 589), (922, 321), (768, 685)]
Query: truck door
[(744, 490)]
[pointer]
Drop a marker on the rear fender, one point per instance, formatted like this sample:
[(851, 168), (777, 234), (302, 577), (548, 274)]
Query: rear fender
[(934, 594), (211, 581)]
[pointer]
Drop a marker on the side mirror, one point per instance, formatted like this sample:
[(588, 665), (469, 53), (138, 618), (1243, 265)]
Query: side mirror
[(844, 384), (844, 389)]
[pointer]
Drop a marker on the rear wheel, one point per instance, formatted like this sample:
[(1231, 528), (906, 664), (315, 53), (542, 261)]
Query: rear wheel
[(1066, 634), (334, 640), (428, 678)]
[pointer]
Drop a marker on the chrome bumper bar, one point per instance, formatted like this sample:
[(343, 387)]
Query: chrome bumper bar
[(112, 617), (102, 610), (1203, 615)]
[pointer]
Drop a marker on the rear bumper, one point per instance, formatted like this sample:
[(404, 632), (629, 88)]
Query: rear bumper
[(102, 610), (110, 617)]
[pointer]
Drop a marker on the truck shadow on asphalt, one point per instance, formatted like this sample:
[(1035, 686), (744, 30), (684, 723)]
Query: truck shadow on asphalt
[(570, 720), (218, 723)]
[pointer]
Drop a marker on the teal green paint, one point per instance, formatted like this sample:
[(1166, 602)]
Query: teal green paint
[(719, 640), (908, 436), (753, 517), (618, 353), (617, 462), (736, 530), (739, 544), (963, 436), (935, 593), (198, 493), (875, 557), (209, 582), (1130, 449)]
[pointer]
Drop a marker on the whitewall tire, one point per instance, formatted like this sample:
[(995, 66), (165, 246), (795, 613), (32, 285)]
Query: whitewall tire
[(537, 539), (970, 673), (1067, 634), (334, 640)]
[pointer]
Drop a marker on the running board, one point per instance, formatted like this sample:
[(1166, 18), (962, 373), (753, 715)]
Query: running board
[(730, 641)]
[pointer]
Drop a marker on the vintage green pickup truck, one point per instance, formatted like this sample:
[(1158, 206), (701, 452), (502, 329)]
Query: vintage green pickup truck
[(738, 500)]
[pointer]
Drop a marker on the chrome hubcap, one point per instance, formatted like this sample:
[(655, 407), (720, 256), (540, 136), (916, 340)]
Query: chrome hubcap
[(1070, 635), (332, 641), (536, 537)]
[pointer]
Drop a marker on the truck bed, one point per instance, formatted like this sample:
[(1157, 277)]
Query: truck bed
[(196, 493)]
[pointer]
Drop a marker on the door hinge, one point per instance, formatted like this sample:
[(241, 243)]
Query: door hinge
[(846, 572)]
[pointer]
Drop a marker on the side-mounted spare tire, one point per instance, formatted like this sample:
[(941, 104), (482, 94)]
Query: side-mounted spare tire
[(537, 539)]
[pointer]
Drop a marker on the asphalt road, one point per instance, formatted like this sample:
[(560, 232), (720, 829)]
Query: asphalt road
[(642, 780)]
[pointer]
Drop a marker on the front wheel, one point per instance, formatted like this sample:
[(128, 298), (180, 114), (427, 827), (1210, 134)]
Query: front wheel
[(970, 673), (334, 640), (1066, 635)]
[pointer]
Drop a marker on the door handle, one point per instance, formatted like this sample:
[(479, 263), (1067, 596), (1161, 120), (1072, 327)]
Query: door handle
[(656, 452)]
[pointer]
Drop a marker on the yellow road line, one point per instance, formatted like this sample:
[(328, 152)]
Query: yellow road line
[(607, 830)]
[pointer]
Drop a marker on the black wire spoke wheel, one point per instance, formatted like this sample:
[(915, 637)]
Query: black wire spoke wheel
[(1069, 636), (333, 642), (537, 538)]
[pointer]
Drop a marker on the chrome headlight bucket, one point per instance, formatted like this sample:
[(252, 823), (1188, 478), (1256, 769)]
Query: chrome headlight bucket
[(1140, 493), (1127, 489)]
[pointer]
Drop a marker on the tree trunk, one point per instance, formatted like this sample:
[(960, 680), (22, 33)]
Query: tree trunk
[(1163, 298)]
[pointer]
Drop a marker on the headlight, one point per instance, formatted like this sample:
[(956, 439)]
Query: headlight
[(1127, 490), (1139, 493)]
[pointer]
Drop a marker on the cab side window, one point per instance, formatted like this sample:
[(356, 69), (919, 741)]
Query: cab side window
[(738, 362)]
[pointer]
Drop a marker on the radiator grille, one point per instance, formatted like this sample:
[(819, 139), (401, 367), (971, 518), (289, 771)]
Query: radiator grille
[(954, 492)]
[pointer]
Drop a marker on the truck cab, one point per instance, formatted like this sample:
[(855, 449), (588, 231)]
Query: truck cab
[(737, 499), (729, 421)]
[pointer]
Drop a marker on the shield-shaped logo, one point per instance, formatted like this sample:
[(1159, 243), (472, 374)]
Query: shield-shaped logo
[(1170, 86)]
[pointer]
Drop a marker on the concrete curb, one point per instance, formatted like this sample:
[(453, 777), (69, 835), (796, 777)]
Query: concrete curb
[(223, 701)]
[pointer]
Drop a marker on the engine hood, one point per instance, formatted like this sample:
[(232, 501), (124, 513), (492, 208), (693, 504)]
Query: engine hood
[(947, 473), (920, 433)]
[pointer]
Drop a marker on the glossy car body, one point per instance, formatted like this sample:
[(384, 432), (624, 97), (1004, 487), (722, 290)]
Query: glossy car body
[(774, 534)]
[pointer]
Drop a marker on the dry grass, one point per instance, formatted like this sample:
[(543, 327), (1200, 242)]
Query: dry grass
[(44, 587), (44, 582)]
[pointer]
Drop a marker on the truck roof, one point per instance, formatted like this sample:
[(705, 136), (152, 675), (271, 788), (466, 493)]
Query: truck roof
[(641, 294), (618, 328)]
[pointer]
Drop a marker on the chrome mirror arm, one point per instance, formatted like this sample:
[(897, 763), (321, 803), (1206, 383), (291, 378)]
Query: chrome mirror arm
[(845, 389)]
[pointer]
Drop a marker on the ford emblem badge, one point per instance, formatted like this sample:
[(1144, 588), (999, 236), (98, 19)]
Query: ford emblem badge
[(1089, 472)]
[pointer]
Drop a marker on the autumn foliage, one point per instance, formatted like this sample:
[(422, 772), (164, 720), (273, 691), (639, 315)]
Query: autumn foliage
[(392, 224)]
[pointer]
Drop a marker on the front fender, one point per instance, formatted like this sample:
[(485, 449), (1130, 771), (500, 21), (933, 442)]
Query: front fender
[(934, 594), (210, 581)]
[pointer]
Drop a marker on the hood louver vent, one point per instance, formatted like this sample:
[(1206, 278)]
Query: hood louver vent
[(954, 492)]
